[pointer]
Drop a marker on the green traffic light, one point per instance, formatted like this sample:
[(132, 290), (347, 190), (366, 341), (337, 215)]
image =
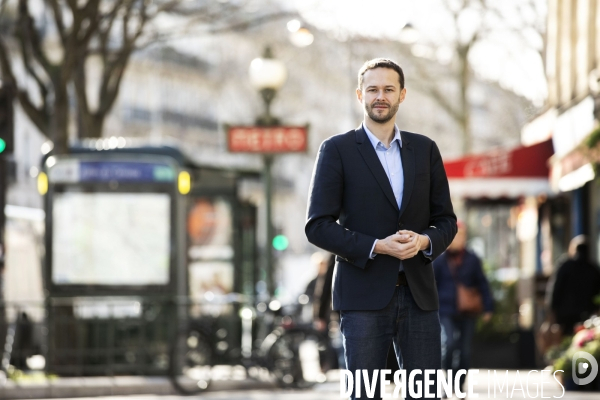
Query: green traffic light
[(2, 145), (280, 242)]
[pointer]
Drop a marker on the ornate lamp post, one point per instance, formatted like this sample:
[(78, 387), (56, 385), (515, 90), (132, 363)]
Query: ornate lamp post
[(267, 75)]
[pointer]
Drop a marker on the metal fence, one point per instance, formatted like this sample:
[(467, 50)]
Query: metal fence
[(169, 336), (83, 336)]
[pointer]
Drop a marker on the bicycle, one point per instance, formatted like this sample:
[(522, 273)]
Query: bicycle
[(291, 352)]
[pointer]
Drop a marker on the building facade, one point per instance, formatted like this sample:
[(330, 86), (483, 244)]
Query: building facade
[(571, 119)]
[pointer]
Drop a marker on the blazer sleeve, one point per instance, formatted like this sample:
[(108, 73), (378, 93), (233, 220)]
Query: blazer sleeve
[(442, 220), (325, 206)]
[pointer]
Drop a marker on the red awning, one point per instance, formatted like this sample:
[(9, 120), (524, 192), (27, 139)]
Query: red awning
[(522, 171)]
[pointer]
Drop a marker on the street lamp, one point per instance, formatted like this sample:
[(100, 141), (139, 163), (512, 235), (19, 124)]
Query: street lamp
[(409, 34), (267, 75)]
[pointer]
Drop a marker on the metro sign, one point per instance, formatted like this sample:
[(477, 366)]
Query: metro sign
[(272, 139)]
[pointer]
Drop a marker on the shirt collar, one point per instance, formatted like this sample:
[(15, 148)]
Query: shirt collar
[(375, 141)]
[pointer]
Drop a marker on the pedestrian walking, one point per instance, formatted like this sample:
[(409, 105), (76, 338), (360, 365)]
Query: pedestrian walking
[(379, 200), (458, 274), (324, 318), (574, 286)]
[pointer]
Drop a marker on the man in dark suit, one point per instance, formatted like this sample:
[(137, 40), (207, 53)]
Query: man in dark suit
[(379, 200)]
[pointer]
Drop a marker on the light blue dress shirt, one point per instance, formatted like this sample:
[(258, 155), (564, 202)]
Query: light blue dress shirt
[(391, 161)]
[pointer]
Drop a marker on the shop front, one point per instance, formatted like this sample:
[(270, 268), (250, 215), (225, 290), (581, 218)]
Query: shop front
[(500, 195)]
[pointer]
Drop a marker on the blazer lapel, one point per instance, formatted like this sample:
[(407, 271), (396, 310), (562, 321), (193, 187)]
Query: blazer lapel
[(368, 153), (408, 165)]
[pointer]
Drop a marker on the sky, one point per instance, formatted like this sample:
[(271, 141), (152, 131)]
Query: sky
[(508, 54)]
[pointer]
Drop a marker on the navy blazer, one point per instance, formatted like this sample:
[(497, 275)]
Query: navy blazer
[(351, 203), (469, 274)]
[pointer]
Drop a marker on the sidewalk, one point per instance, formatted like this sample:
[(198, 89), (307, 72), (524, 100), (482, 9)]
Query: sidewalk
[(232, 384), (224, 379)]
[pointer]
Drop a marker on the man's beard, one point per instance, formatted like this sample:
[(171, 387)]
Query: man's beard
[(383, 118)]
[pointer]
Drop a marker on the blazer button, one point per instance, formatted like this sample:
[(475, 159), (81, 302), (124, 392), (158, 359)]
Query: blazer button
[(400, 224)]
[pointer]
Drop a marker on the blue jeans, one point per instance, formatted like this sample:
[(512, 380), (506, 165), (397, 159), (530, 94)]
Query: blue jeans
[(457, 336), (415, 334)]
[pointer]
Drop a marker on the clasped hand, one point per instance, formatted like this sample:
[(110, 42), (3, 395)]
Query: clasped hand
[(403, 244)]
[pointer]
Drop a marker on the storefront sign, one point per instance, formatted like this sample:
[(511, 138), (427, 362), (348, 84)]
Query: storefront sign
[(277, 139), (520, 162), (521, 171), (73, 171)]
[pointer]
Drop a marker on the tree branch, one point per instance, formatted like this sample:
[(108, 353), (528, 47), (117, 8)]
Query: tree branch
[(27, 30), (248, 24), (38, 116), (166, 7), (91, 13), (33, 73), (114, 69), (104, 35), (7, 73), (440, 98), (58, 20), (2, 6), (79, 81)]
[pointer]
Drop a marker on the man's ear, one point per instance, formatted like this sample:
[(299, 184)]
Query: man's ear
[(402, 95), (359, 95)]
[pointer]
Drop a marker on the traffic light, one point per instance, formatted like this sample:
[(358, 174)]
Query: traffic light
[(280, 242), (6, 120)]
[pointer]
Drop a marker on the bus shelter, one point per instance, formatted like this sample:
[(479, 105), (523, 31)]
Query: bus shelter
[(141, 241)]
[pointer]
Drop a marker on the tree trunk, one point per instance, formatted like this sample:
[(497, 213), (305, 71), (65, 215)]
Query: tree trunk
[(59, 123), (90, 125)]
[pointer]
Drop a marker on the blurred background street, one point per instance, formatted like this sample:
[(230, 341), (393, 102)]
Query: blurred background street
[(155, 161)]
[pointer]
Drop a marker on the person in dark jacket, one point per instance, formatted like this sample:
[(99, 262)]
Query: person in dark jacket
[(458, 264), (318, 290), (574, 286), (319, 293)]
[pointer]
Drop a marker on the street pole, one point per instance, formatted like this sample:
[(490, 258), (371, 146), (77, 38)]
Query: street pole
[(6, 148), (270, 270), (268, 120), (3, 185), (3, 321), (267, 75)]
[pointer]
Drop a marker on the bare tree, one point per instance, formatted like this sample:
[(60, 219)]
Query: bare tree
[(56, 67), (487, 17), (110, 30)]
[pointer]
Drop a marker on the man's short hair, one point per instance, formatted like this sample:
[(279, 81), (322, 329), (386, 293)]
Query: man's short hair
[(380, 63)]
